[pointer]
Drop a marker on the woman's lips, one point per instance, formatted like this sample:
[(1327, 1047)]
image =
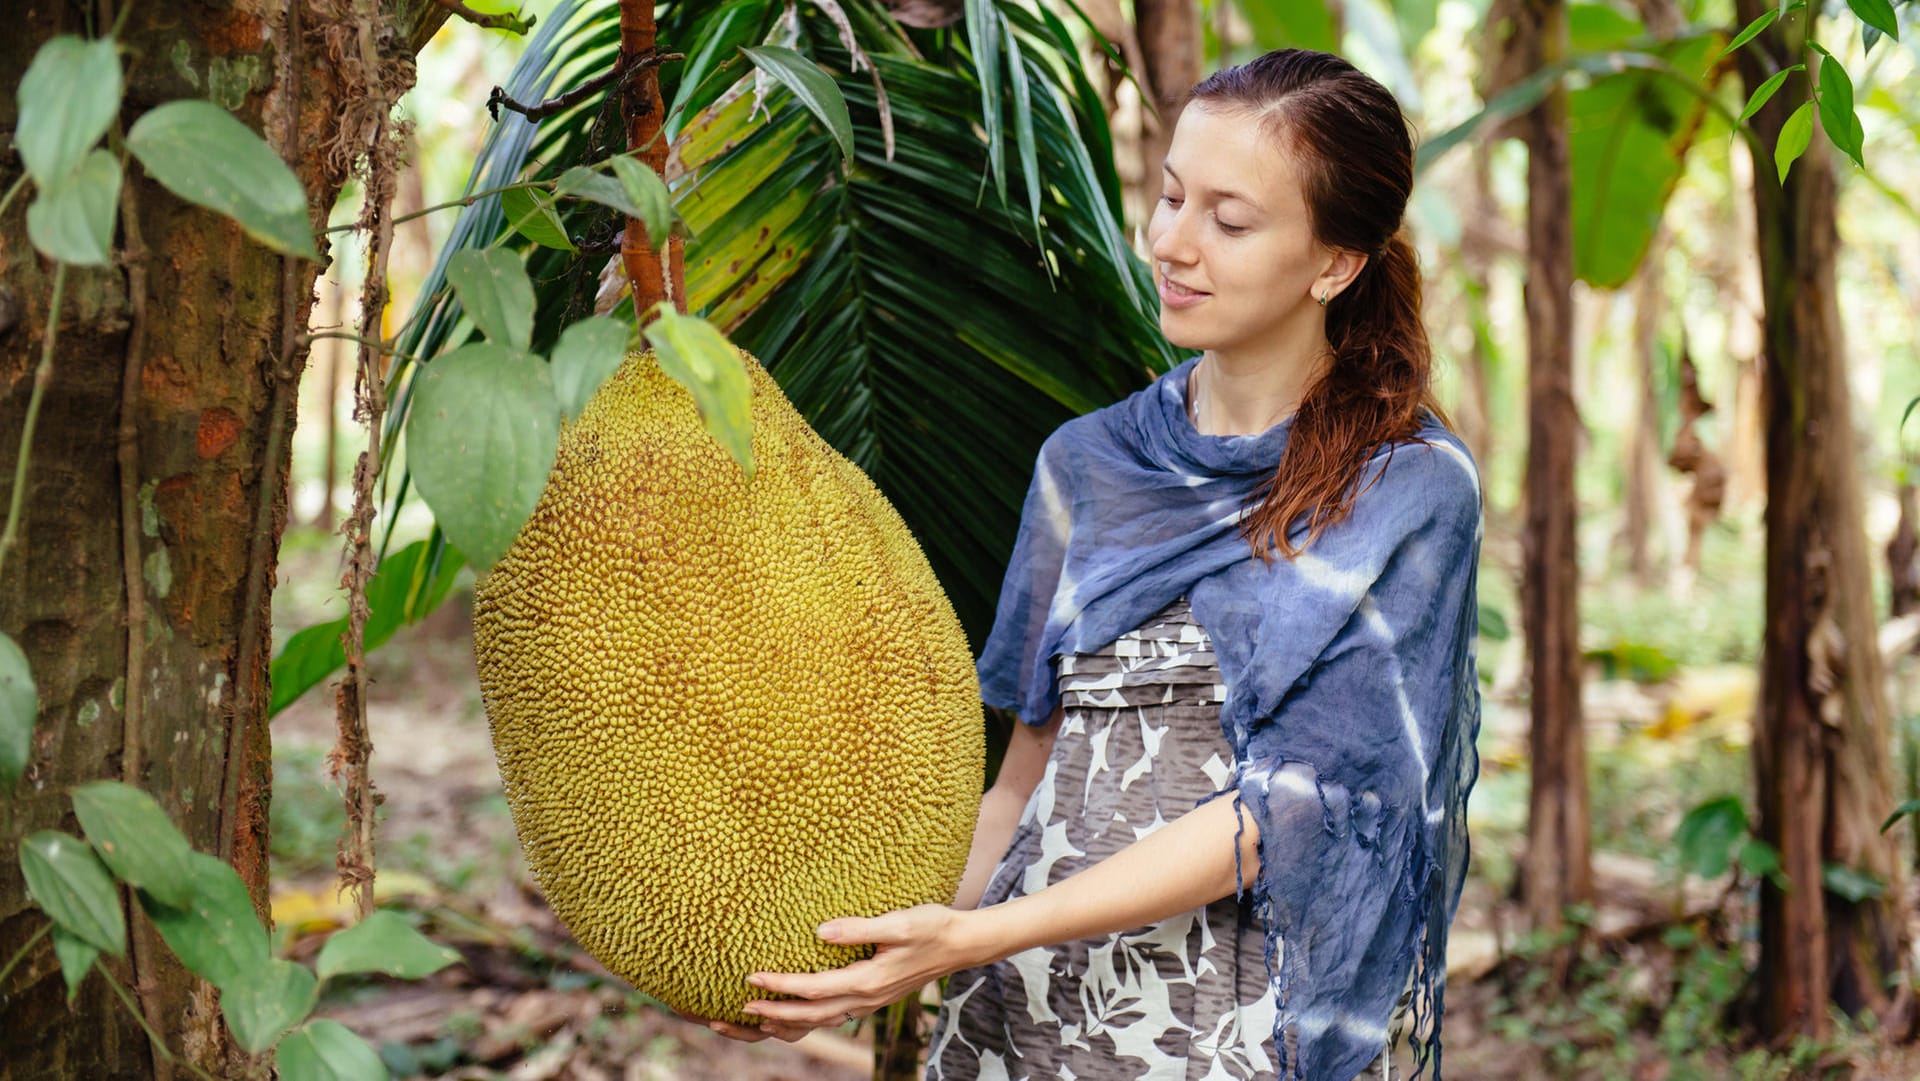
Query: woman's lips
[(1173, 295)]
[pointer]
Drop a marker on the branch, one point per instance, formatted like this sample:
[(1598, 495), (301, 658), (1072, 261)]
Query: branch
[(42, 376), (499, 100), (512, 24)]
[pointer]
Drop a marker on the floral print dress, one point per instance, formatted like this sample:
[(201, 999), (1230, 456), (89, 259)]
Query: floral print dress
[(1185, 999)]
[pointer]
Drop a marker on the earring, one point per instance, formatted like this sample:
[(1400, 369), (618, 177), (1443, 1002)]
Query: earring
[(1322, 300)]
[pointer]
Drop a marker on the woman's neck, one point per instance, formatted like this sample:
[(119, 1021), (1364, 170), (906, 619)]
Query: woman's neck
[(1234, 394)]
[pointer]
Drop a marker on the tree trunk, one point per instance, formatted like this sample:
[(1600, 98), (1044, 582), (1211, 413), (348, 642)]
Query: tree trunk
[(1821, 758), (1644, 494), (141, 597), (1170, 45), (1557, 870)]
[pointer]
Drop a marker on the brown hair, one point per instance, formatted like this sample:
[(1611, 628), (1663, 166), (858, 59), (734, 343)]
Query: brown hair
[(1355, 154)]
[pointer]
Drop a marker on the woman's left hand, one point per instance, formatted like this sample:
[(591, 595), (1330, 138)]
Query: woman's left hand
[(914, 947)]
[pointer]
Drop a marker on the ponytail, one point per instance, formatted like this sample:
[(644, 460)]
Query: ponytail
[(1372, 394)]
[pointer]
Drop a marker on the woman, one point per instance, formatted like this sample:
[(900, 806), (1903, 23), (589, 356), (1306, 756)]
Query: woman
[(1253, 579)]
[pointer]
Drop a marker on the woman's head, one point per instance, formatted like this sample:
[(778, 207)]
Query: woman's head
[(1303, 165)]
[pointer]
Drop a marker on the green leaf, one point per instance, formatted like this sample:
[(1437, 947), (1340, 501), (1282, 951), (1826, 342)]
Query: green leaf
[(1301, 24), (1765, 91), (406, 586), (530, 213), (216, 934), (19, 706), (1848, 882), (1877, 14), (815, 89), (497, 295), (326, 1050), (71, 220), (1493, 623), (73, 887), (1911, 806), (1758, 858), (1795, 134), (1707, 834), (700, 358), (136, 839), (581, 182), (266, 1000), (481, 437), (76, 956), (647, 191), (68, 98), (383, 942), (586, 354), (198, 151), (1760, 22), (1837, 117)]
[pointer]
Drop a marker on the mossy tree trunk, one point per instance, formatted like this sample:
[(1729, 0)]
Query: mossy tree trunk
[(141, 597), (1822, 742), (1557, 867)]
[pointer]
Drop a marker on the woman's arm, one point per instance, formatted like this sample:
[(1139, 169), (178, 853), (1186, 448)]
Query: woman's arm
[(1182, 866), (1020, 771)]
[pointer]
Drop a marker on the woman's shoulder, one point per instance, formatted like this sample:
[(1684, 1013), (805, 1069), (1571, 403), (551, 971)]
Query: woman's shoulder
[(1431, 468)]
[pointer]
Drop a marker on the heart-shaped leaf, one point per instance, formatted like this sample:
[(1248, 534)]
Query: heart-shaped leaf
[(136, 839), (67, 99), (586, 354), (530, 213), (72, 218), (383, 942), (481, 437), (264, 1001), (216, 934), (581, 182), (327, 1051), (647, 191), (496, 294), (700, 358), (19, 706), (198, 151), (73, 888), (76, 957)]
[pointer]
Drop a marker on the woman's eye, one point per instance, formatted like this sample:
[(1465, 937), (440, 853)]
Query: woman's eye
[(1169, 200), (1231, 230)]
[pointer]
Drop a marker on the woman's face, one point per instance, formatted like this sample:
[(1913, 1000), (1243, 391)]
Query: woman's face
[(1233, 252)]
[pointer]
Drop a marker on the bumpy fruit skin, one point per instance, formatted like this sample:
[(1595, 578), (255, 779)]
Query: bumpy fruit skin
[(724, 710)]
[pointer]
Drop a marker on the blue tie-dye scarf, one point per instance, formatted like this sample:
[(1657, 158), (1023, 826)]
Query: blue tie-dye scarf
[(1352, 702)]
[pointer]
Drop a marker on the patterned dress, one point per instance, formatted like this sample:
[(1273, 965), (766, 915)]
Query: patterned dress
[(1185, 999)]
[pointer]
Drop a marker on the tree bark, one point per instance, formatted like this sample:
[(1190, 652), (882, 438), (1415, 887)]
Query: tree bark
[(1170, 45), (1557, 868), (1821, 749), (1644, 493), (202, 361)]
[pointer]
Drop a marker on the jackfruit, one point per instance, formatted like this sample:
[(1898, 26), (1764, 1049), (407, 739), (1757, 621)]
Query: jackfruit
[(725, 710)]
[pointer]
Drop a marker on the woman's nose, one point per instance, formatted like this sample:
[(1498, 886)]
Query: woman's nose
[(1172, 245)]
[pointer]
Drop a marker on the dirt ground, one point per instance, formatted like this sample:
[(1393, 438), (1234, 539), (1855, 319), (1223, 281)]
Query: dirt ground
[(528, 1005)]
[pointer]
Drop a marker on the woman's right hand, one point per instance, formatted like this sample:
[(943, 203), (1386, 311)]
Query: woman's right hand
[(748, 1033)]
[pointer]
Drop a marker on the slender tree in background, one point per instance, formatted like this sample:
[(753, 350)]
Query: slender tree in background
[(1821, 745), (1557, 868), (1170, 46), (156, 492)]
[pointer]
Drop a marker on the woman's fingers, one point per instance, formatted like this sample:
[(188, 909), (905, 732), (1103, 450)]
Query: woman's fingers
[(816, 1013), (743, 1033)]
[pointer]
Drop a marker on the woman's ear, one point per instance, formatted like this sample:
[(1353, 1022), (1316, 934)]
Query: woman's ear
[(1342, 267)]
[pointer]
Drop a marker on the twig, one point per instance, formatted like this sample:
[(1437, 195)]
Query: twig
[(499, 100), (352, 749), (42, 376), (468, 200), (159, 1045), (512, 24), (387, 348), (7, 199), (25, 948)]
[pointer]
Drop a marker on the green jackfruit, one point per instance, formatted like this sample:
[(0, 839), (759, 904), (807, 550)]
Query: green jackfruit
[(724, 710)]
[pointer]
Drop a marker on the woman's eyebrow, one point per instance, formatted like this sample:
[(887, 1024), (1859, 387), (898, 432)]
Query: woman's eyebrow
[(1221, 193)]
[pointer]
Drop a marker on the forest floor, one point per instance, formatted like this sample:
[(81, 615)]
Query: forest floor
[(1663, 961)]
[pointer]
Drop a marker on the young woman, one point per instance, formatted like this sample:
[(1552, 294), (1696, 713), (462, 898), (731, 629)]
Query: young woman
[(1253, 579)]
